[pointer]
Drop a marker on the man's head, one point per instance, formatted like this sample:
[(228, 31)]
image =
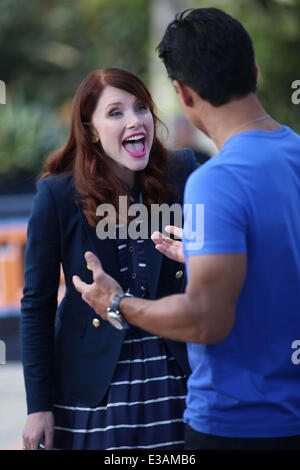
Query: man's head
[(210, 52)]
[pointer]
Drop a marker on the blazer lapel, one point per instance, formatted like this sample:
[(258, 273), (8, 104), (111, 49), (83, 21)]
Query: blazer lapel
[(153, 260), (105, 250)]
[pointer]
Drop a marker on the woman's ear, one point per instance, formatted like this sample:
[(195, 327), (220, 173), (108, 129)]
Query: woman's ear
[(94, 134)]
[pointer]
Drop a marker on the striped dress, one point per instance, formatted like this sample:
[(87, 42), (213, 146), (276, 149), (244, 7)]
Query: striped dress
[(144, 404)]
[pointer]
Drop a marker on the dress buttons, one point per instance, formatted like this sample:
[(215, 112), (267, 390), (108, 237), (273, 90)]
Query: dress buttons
[(96, 322), (131, 249), (133, 275), (179, 274)]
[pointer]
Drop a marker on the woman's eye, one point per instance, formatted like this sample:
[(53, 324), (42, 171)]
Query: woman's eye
[(142, 107), (115, 112)]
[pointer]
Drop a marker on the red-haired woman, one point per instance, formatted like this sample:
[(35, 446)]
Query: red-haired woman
[(91, 385)]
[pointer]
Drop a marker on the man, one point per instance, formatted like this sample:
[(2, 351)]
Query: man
[(240, 313)]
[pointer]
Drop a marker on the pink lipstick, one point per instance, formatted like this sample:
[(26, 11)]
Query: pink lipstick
[(135, 144)]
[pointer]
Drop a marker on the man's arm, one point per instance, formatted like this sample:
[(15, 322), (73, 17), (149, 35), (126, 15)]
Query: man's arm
[(203, 314)]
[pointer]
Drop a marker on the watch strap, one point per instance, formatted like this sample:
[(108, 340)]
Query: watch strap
[(114, 309), (115, 303)]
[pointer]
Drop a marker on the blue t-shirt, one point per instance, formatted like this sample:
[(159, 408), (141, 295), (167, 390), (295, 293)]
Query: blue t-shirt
[(248, 385)]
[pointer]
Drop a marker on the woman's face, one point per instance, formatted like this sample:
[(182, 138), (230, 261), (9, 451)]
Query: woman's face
[(125, 128)]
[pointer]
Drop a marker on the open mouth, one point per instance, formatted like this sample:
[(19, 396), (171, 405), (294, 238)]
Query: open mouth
[(135, 144)]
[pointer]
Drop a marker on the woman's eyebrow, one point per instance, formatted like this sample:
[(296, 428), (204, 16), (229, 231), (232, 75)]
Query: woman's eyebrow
[(113, 104)]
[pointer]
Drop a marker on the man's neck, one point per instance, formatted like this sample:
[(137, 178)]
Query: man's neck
[(238, 116)]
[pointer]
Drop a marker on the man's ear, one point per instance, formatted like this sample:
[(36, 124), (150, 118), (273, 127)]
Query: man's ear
[(185, 94), (257, 71)]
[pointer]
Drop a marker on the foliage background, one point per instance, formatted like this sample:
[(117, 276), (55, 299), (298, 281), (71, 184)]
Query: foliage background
[(274, 27), (47, 48)]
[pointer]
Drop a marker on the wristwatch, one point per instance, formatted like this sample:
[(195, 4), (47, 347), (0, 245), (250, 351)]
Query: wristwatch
[(113, 313)]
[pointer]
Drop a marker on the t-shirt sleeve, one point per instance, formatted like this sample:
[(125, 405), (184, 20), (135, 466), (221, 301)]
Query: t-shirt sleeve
[(215, 212)]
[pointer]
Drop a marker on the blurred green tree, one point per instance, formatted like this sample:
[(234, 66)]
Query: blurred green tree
[(46, 50), (27, 132), (274, 28)]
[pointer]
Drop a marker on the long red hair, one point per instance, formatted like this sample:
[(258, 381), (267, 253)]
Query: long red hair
[(94, 180)]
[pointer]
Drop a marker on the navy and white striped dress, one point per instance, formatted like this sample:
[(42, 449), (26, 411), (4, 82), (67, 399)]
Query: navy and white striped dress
[(144, 404)]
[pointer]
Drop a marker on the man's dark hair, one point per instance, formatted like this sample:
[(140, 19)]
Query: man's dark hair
[(209, 51)]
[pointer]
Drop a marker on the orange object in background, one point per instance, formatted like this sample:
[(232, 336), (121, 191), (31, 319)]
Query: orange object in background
[(11, 275), (13, 234), (12, 248)]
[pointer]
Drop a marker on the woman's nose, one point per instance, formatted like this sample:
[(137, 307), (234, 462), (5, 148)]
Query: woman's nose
[(134, 121)]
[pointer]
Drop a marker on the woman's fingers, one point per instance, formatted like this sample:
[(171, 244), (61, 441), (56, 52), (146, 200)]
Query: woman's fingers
[(158, 237), (37, 426), (174, 231), (168, 247)]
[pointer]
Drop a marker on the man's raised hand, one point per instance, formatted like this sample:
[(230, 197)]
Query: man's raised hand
[(99, 294)]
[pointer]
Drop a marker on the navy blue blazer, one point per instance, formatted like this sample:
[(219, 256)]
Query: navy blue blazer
[(61, 349)]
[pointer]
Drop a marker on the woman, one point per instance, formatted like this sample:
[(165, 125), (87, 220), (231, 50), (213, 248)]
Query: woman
[(103, 388)]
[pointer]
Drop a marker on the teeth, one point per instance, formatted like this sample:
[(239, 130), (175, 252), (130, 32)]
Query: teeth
[(136, 137)]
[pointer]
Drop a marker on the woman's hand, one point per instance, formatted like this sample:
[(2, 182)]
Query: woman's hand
[(38, 426), (167, 246)]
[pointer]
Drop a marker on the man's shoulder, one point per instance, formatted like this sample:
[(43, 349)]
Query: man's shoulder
[(217, 177)]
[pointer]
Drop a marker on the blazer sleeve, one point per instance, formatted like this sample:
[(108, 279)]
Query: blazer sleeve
[(191, 163), (39, 302), (183, 164)]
